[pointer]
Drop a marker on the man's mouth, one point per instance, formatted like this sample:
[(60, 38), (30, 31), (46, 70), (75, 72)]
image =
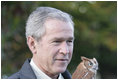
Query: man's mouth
[(62, 59)]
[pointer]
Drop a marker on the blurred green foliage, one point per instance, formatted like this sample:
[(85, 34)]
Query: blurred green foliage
[(95, 33)]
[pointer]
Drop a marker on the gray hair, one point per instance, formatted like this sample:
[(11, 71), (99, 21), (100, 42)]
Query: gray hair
[(35, 23)]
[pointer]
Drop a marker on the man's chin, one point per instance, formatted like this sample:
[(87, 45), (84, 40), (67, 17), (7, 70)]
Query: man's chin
[(61, 70)]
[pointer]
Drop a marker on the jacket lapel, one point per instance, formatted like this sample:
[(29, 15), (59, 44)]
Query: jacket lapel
[(26, 71), (66, 75)]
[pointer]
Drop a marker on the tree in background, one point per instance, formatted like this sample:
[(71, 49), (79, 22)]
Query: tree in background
[(95, 33)]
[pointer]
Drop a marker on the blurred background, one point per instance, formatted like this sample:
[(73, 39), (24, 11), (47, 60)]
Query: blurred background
[(95, 33)]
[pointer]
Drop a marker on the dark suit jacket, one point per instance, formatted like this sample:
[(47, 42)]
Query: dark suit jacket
[(26, 72)]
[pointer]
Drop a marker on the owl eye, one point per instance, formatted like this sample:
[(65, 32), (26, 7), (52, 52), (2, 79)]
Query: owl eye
[(90, 64)]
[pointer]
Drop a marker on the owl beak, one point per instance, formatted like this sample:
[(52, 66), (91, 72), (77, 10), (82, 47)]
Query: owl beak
[(95, 68)]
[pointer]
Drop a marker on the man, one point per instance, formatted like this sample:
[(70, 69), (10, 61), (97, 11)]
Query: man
[(50, 36)]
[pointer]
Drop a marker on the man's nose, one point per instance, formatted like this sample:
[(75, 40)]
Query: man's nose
[(64, 48)]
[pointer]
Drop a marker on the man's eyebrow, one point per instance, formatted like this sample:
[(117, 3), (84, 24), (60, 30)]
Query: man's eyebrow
[(63, 38)]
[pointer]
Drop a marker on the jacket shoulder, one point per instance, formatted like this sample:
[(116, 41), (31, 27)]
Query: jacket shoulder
[(15, 76), (25, 72)]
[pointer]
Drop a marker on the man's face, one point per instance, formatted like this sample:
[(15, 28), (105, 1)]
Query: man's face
[(54, 50)]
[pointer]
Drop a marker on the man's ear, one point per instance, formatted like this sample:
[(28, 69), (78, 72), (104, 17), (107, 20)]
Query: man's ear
[(31, 44)]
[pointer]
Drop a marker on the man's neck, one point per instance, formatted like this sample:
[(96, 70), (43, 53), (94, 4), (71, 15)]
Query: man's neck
[(46, 72)]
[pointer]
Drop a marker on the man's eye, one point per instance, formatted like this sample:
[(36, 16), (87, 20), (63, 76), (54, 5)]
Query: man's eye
[(70, 41), (57, 41)]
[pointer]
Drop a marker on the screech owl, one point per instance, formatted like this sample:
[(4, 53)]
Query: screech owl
[(87, 69)]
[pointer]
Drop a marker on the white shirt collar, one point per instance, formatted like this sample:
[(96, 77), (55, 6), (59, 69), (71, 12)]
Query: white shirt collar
[(39, 74)]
